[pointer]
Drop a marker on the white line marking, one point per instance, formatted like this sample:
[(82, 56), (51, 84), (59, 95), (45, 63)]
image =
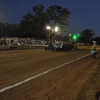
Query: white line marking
[(26, 80)]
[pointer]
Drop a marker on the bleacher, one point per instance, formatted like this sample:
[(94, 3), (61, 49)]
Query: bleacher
[(20, 43)]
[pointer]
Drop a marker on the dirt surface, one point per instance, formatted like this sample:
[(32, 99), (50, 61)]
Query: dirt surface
[(57, 79)]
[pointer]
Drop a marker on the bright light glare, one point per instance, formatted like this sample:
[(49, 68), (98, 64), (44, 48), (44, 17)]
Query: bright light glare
[(48, 27), (56, 29), (74, 37)]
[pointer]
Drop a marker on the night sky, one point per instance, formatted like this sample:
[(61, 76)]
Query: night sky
[(85, 14)]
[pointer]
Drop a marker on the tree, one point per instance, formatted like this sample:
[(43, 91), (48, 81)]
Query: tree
[(34, 25), (41, 19), (26, 26), (86, 36), (1, 29), (15, 30), (8, 30), (58, 16), (97, 39)]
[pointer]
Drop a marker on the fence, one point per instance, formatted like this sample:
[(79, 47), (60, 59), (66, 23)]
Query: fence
[(16, 47)]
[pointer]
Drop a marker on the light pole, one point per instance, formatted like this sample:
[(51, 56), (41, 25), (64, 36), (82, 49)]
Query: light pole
[(55, 29), (48, 28)]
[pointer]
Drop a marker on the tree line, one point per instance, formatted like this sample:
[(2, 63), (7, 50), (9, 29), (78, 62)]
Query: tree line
[(34, 24)]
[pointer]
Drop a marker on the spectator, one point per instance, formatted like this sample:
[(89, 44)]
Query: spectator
[(93, 51)]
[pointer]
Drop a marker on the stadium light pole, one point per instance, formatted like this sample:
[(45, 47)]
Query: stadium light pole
[(55, 29), (48, 28)]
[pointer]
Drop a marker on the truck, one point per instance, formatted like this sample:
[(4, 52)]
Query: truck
[(61, 47)]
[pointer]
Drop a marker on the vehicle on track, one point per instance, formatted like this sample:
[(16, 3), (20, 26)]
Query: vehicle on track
[(60, 47)]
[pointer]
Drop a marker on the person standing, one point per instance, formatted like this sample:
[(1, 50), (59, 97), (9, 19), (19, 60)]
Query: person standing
[(93, 51)]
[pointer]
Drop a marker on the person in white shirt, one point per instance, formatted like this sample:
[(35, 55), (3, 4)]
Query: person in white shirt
[(93, 51)]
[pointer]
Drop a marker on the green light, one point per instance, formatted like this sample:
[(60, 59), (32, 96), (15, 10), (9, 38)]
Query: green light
[(74, 36)]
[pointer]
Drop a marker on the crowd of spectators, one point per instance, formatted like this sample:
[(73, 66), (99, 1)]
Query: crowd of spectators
[(20, 41), (24, 41)]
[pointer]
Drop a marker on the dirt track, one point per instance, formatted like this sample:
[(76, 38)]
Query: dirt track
[(63, 83)]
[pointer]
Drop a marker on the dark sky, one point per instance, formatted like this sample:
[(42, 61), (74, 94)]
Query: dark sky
[(84, 13)]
